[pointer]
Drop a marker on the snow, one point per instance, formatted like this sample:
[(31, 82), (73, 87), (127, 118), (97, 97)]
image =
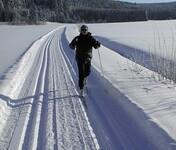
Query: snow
[(13, 44), (139, 35), (125, 107)]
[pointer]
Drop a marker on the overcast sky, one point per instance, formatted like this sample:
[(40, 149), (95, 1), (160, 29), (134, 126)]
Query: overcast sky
[(148, 1)]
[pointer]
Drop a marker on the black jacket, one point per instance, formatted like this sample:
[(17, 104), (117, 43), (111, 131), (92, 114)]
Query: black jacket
[(84, 45)]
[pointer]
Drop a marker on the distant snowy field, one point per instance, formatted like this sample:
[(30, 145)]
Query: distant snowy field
[(15, 40), (150, 36)]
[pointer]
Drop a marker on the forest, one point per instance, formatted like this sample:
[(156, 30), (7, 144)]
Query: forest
[(88, 11)]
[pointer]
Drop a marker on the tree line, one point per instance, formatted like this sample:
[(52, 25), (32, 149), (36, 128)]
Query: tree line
[(160, 11), (89, 11)]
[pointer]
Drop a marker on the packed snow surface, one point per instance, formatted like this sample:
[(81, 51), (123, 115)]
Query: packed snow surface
[(125, 105)]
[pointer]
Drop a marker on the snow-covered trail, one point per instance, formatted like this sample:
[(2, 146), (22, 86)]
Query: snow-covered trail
[(42, 109), (48, 113), (118, 123)]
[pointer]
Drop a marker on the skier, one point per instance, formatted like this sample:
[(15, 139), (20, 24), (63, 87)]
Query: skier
[(84, 43)]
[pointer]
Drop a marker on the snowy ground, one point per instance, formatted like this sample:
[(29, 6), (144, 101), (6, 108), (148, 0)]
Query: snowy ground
[(124, 107), (15, 40)]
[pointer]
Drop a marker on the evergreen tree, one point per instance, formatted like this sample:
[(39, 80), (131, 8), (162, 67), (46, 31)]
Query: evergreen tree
[(2, 11), (82, 10), (8, 10), (33, 15)]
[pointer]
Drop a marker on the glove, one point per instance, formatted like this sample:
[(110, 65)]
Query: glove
[(97, 44), (87, 60), (71, 46)]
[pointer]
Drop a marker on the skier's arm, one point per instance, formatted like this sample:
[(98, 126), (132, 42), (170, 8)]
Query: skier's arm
[(73, 44), (96, 44)]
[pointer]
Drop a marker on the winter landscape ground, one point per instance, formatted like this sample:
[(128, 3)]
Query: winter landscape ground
[(126, 106)]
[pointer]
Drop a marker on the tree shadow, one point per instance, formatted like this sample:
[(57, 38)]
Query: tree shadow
[(13, 103), (139, 56)]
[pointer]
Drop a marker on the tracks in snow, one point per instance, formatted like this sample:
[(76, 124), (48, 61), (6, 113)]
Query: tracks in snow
[(47, 113), (52, 115)]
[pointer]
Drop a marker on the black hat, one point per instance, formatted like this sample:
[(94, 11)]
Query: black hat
[(84, 27)]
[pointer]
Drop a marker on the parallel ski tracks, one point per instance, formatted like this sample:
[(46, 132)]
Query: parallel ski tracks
[(54, 117), (68, 107), (39, 106), (24, 135)]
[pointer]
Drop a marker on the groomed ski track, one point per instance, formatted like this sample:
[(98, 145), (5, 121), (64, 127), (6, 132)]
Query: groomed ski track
[(50, 113), (46, 112)]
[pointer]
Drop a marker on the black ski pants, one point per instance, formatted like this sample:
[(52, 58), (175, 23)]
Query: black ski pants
[(84, 71)]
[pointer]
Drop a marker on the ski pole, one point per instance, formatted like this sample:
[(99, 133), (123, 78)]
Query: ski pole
[(102, 71), (100, 63)]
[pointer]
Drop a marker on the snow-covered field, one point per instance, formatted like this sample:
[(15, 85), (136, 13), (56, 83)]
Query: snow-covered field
[(125, 107), (15, 40)]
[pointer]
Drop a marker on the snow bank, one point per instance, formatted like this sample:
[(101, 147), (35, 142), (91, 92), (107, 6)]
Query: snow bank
[(142, 86), (135, 87), (15, 40)]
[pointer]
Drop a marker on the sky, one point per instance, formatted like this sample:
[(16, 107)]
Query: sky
[(148, 1)]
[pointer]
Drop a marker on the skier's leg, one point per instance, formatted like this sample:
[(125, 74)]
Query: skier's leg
[(81, 71), (87, 68)]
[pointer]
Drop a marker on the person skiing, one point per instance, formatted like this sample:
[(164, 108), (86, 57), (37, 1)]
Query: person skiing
[(84, 43)]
